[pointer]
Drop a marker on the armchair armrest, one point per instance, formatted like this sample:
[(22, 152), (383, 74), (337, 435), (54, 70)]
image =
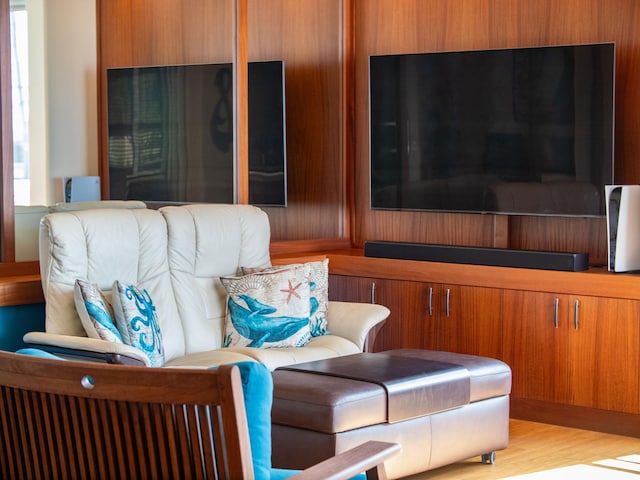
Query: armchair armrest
[(368, 457), (356, 321), (85, 348)]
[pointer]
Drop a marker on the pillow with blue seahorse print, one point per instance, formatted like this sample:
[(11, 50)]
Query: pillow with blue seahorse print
[(268, 309), (95, 312), (137, 321), (318, 292)]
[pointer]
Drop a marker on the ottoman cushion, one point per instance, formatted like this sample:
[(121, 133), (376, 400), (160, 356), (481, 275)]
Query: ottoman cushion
[(489, 377), (332, 404), (414, 387), (316, 415), (326, 404)]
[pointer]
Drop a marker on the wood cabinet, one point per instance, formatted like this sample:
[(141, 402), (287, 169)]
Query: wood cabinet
[(572, 339), (393, 294), (573, 349), (532, 343), (604, 354), (429, 315), (567, 349), (462, 319)]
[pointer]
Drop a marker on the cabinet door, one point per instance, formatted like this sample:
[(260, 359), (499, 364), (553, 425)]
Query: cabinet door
[(405, 299), (463, 319), (604, 352), (399, 296), (534, 344), (431, 316), (356, 289), (474, 325), (351, 289), (575, 350)]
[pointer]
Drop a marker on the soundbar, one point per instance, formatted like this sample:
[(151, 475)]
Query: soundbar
[(500, 257)]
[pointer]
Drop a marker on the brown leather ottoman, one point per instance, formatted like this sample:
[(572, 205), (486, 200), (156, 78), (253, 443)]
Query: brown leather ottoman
[(440, 407)]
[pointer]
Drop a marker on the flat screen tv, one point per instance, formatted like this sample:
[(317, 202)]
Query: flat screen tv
[(170, 133), (526, 131)]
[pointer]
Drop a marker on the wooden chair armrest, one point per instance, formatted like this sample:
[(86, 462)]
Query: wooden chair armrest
[(368, 457), (84, 348)]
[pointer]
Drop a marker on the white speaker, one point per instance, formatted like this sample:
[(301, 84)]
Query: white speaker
[(623, 227), (81, 189)]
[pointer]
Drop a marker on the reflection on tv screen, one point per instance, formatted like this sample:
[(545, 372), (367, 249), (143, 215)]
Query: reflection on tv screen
[(170, 131)]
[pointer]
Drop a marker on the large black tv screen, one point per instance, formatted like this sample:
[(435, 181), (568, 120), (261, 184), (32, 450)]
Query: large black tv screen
[(170, 133), (524, 131)]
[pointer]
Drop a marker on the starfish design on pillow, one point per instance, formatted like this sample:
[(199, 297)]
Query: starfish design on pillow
[(291, 291)]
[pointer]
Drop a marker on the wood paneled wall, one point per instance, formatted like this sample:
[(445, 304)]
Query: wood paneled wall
[(306, 34), (317, 39), (158, 32), (403, 26), (164, 32)]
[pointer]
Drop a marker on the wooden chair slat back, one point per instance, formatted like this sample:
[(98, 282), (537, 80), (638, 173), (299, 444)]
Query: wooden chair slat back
[(63, 419)]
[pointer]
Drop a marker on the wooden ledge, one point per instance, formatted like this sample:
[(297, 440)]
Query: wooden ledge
[(20, 290), (597, 282), (20, 284)]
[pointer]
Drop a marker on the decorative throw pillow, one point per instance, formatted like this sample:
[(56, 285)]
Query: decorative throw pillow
[(95, 311), (137, 321), (268, 309), (318, 292), (319, 297)]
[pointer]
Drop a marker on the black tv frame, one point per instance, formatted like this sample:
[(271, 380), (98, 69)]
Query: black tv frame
[(453, 183)]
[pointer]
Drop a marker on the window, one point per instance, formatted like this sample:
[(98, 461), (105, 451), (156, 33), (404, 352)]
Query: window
[(20, 100)]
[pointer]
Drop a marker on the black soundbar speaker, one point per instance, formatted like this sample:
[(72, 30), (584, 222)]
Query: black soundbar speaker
[(500, 257)]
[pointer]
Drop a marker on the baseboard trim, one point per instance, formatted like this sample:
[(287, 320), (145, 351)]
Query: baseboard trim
[(606, 421)]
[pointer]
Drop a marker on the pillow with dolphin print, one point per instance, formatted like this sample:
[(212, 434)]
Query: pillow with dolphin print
[(268, 309), (318, 292), (95, 311)]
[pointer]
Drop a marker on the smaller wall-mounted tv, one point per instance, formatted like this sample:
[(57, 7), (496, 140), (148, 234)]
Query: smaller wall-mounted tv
[(170, 133), (267, 134), (526, 131)]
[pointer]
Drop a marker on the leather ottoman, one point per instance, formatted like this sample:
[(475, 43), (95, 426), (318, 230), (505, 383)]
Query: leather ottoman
[(441, 407)]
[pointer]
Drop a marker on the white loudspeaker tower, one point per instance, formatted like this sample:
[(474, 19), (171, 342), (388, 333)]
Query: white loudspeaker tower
[(623, 227)]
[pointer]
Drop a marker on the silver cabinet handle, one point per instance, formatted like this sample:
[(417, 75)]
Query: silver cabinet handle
[(430, 302), (448, 296), (373, 292), (576, 314), (556, 304)]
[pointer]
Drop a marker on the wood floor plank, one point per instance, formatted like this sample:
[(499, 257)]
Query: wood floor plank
[(536, 450)]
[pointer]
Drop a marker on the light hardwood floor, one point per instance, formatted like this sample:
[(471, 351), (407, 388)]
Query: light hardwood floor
[(548, 452)]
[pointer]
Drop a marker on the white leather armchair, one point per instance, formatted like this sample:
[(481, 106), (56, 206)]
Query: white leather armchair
[(178, 254)]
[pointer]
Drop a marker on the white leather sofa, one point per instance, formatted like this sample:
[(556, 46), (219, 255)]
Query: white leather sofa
[(177, 253), (27, 221)]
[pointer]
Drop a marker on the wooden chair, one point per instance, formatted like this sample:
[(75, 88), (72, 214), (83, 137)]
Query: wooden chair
[(66, 419)]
